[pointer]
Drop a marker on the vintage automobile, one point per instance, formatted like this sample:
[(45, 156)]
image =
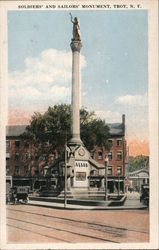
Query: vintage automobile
[(22, 193), (11, 197), (144, 198), (18, 194)]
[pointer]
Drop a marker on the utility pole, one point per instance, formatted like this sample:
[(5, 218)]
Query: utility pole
[(65, 192), (118, 185), (106, 177)]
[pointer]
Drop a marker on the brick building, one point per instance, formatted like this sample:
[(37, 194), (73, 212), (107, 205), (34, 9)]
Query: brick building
[(18, 155), (25, 163), (116, 156)]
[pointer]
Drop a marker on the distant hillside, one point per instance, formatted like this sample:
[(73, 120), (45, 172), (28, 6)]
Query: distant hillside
[(138, 162)]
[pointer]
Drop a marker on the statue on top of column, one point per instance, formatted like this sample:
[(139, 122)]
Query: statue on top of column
[(76, 29)]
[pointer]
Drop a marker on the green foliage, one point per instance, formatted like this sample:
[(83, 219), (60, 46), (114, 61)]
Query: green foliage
[(138, 162), (94, 131), (55, 125)]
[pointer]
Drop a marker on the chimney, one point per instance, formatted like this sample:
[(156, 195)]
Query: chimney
[(123, 123)]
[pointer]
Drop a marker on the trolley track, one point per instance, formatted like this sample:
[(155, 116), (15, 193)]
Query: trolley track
[(61, 230), (118, 231), (32, 231)]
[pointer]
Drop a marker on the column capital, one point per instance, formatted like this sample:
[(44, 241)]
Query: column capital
[(76, 46)]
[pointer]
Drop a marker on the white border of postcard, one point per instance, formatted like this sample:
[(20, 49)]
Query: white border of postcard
[(152, 7)]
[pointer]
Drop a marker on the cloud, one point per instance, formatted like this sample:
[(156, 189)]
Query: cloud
[(84, 93), (138, 147), (59, 92), (135, 108), (109, 116), (46, 77), (27, 93), (49, 67), (18, 116), (133, 100), (107, 81), (136, 123)]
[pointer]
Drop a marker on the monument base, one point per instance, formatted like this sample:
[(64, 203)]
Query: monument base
[(81, 168), (82, 172)]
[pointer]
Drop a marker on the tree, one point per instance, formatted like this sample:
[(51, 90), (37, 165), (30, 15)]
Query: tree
[(138, 162), (47, 133), (94, 131), (52, 127)]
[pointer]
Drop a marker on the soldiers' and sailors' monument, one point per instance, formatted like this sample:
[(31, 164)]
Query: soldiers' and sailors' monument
[(79, 164), (79, 171)]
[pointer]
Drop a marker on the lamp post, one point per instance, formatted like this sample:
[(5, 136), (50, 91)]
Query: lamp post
[(106, 181), (118, 182)]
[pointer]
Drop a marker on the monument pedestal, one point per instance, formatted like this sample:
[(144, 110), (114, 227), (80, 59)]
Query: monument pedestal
[(81, 166)]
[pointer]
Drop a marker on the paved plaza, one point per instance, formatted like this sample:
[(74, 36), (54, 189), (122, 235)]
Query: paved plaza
[(32, 224)]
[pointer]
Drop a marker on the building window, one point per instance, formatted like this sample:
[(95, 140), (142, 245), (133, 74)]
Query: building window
[(17, 170), (7, 145), (110, 141), (100, 155), (119, 169), (7, 156), (94, 173), (45, 157), (27, 156), (37, 170), (26, 145), (119, 156), (110, 156), (17, 143), (36, 157), (46, 144), (26, 170), (119, 143), (110, 170), (54, 155), (17, 156), (7, 169), (7, 162)]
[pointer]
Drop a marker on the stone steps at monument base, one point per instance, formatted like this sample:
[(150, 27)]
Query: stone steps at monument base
[(79, 194), (74, 194), (71, 201), (81, 202), (84, 194), (85, 197)]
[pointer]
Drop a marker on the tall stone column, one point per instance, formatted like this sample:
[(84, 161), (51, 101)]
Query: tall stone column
[(76, 46)]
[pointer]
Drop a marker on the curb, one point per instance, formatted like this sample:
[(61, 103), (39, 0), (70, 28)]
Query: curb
[(77, 207)]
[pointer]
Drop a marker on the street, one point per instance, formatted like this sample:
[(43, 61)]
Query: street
[(31, 224)]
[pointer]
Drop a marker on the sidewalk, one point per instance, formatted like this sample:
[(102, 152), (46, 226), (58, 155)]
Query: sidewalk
[(133, 195)]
